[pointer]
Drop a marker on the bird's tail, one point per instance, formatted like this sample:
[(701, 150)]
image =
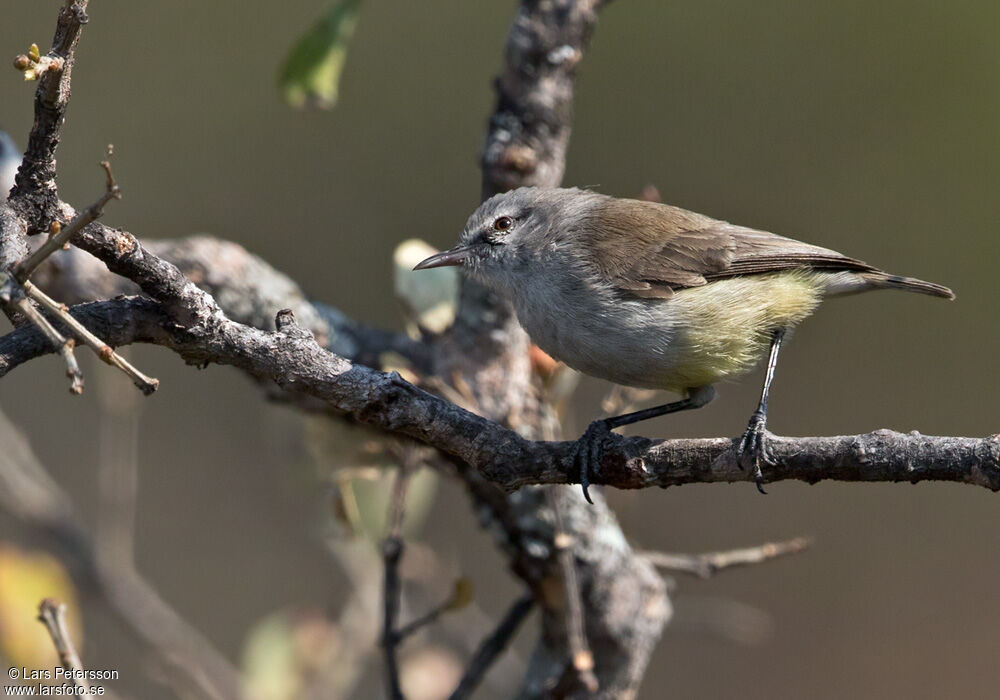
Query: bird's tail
[(882, 280)]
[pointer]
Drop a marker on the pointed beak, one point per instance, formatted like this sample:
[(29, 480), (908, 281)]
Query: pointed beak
[(449, 258)]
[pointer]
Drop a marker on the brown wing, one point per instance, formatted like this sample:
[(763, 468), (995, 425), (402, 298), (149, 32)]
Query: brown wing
[(650, 250)]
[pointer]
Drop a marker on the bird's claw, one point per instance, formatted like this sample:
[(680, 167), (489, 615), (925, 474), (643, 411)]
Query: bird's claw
[(753, 450), (589, 451)]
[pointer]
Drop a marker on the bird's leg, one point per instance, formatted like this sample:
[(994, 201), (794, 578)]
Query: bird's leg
[(753, 445), (590, 446)]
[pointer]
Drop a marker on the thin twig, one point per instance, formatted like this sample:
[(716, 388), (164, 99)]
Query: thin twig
[(492, 647), (63, 345), (581, 659), (104, 351), (392, 553), (416, 625), (705, 565), (459, 598), (62, 235), (52, 614)]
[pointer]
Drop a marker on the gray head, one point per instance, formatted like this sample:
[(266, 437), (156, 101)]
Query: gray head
[(10, 158), (511, 232)]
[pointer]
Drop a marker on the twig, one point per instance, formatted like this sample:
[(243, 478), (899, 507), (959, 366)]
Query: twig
[(581, 659), (461, 595), (492, 647), (392, 553), (104, 351), (61, 235), (705, 565), (63, 345), (419, 623), (52, 614)]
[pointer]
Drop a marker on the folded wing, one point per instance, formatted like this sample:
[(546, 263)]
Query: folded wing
[(651, 250)]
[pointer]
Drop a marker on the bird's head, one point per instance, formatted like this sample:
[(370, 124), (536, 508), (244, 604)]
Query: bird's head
[(510, 232)]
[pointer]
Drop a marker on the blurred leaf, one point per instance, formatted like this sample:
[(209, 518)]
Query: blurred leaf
[(284, 651), (311, 73), (373, 498), (353, 458), (26, 578), (462, 594), (269, 660), (430, 297)]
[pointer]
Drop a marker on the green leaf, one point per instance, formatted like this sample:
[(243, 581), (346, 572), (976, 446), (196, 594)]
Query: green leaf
[(311, 73)]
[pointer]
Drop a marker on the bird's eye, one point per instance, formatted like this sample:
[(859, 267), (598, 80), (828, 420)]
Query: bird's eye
[(504, 223)]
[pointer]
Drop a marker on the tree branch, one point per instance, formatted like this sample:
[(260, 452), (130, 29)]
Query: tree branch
[(296, 362), (64, 346), (35, 181), (492, 647), (530, 127), (247, 288), (710, 563), (104, 351), (392, 589)]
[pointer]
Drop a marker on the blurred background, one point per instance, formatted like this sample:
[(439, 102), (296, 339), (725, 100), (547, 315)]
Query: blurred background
[(870, 128)]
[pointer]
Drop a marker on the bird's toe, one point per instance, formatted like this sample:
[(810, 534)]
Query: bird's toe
[(589, 451)]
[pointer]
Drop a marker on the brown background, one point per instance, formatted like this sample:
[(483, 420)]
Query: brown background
[(870, 128)]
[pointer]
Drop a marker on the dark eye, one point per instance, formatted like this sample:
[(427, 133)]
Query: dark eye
[(504, 223)]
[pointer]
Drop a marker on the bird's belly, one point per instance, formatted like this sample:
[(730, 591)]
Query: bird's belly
[(697, 337), (634, 349)]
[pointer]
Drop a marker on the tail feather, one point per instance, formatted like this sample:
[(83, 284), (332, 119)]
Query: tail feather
[(882, 280)]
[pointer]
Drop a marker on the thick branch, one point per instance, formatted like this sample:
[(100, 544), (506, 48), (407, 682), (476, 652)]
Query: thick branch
[(247, 288), (36, 177), (295, 362), (530, 128)]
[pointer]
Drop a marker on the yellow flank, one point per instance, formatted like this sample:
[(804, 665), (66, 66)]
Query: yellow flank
[(724, 327)]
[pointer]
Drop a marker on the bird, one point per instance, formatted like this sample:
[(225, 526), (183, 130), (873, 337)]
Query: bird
[(10, 158), (650, 295)]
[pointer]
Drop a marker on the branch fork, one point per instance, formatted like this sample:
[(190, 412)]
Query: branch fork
[(16, 290)]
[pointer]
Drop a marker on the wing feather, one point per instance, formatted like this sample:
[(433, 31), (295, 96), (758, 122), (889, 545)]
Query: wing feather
[(650, 250)]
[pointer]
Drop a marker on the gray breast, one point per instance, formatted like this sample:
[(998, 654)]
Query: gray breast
[(593, 330)]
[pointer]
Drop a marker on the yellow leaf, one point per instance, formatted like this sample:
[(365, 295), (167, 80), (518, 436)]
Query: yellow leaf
[(25, 579)]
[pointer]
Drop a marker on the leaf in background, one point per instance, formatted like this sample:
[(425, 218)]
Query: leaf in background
[(311, 74), (429, 297), (285, 651)]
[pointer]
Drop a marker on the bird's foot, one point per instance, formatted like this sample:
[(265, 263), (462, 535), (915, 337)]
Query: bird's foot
[(753, 451), (589, 451)]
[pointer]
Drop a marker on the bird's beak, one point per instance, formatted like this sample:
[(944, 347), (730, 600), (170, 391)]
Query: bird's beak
[(449, 258)]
